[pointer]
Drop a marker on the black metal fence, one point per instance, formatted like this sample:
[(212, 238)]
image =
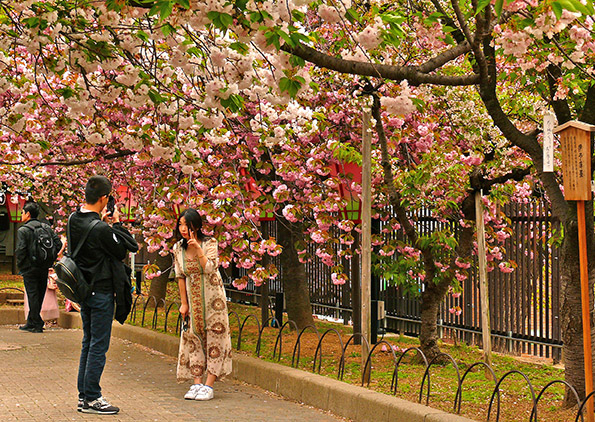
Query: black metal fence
[(523, 304)]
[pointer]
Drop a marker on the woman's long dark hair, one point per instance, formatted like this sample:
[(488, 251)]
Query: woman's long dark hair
[(194, 223)]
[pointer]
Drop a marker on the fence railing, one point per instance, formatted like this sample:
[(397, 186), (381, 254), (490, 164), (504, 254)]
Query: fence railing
[(524, 304)]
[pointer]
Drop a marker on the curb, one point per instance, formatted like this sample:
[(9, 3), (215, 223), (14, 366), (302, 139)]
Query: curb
[(342, 399)]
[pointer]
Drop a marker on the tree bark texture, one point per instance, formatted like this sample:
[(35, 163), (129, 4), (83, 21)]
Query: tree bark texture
[(570, 302), (159, 284), (293, 275)]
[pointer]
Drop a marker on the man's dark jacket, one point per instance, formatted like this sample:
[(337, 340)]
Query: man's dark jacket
[(100, 258), (24, 240)]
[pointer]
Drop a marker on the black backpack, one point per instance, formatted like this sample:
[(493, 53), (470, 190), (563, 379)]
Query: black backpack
[(42, 248), (71, 280)]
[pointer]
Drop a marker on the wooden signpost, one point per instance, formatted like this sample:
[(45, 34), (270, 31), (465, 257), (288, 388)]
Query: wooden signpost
[(575, 143), (366, 206)]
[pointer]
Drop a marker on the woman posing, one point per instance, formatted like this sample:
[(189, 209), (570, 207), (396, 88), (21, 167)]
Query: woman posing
[(205, 343)]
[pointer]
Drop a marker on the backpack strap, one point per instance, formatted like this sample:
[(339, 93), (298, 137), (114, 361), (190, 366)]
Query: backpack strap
[(83, 238)]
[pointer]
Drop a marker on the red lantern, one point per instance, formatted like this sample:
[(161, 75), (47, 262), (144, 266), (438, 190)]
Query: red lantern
[(15, 204), (267, 214), (128, 204), (352, 172)]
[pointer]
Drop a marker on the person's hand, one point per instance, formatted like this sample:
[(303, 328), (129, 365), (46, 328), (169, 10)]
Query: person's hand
[(110, 218), (116, 215), (193, 241), (184, 310)]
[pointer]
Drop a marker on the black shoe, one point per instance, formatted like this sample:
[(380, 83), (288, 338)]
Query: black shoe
[(80, 405), (100, 406), (35, 330), (25, 327)]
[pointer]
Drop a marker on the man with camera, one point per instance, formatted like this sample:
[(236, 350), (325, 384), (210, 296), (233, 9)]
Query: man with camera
[(102, 246)]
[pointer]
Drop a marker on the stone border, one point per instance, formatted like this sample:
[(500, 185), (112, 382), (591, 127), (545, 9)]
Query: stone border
[(342, 399)]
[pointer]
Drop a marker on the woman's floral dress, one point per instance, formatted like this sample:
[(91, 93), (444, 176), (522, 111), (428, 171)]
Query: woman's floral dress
[(206, 346)]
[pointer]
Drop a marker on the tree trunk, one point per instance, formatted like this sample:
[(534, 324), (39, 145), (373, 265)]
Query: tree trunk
[(570, 303), (159, 284), (293, 276), (431, 298)]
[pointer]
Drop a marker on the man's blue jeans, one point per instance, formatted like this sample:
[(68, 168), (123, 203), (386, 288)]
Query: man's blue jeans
[(97, 313)]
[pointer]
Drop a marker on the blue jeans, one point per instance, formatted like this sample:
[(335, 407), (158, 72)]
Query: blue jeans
[(97, 313)]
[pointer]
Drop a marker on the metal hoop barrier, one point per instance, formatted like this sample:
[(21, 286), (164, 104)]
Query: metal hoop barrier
[(280, 338), (369, 362), (154, 321), (167, 315), (319, 348), (133, 310), (242, 328), (142, 324), (534, 410), (12, 288), (396, 373), (355, 335), (297, 345), (427, 374), (264, 325), (459, 396), (509, 373), (582, 406)]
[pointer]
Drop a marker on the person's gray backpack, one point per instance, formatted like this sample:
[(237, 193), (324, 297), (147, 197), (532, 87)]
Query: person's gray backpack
[(71, 280)]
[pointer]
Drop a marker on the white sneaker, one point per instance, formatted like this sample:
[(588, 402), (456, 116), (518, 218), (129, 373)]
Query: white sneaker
[(204, 393), (194, 389)]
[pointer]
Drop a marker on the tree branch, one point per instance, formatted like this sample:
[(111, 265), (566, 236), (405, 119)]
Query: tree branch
[(67, 163), (396, 73)]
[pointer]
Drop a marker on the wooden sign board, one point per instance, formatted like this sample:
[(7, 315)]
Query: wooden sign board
[(575, 143)]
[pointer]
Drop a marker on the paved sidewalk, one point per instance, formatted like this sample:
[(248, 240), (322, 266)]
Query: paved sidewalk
[(38, 384)]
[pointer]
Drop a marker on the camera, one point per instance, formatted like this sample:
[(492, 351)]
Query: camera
[(111, 205)]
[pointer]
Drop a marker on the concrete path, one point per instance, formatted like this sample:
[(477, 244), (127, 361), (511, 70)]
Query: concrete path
[(38, 384)]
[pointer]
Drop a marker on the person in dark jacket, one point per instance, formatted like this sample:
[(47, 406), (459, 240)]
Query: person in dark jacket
[(35, 278), (98, 260)]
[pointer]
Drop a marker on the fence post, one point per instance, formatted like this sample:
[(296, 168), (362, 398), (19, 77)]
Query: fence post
[(279, 302)]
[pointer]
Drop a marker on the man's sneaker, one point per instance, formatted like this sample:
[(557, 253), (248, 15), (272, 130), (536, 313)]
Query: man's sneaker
[(191, 394), (204, 393), (79, 406), (100, 406)]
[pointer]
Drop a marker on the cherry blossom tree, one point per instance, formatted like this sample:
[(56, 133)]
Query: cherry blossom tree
[(176, 97)]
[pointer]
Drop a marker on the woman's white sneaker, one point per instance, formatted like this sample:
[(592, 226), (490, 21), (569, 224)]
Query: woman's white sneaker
[(191, 394), (204, 393)]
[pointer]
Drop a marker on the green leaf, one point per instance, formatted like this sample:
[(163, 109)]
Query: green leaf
[(234, 103), (353, 15), (481, 5), (31, 22), (579, 7), (240, 47), (66, 92), (142, 35), (184, 3), (221, 21), (167, 29), (297, 15), (297, 61), (498, 7), (292, 86)]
